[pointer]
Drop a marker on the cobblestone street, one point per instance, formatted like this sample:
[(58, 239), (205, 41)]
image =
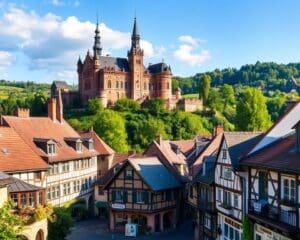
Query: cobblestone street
[(97, 229)]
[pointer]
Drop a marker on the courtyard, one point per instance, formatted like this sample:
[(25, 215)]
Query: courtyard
[(93, 229)]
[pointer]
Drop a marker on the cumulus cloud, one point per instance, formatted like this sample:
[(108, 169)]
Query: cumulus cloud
[(188, 51), (6, 59), (53, 43)]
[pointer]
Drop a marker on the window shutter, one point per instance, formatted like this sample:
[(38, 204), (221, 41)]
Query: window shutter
[(113, 195), (146, 197), (134, 196)]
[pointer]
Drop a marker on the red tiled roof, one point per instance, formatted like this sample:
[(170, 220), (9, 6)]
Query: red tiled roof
[(15, 153), (44, 128), (165, 148), (280, 155), (101, 147), (210, 149), (185, 145)]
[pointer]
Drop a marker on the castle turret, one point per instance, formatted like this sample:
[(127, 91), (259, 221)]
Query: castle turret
[(97, 44), (79, 65)]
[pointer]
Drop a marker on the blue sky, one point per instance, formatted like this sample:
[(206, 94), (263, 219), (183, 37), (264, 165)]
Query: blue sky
[(41, 40)]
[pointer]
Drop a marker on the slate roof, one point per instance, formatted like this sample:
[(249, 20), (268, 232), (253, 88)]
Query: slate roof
[(60, 84), (239, 143), (16, 154), (43, 127), (154, 173), (119, 64), (158, 67), (280, 156), (209, 176), (101, 147), (5, 179)]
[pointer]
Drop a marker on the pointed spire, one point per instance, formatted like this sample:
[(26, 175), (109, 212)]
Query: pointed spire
[(97, 44), (79, 62), (135, 37)]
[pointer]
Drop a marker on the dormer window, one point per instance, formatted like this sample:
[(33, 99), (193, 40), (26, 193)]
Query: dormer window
[(51, 149), (128, 174), (224, 154), (88, 143), (78, 147)]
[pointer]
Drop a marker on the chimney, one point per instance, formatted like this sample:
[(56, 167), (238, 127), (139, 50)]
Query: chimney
[(23, 112), (59, 107), (158, 139), (91, 129), (218, 130), (52, 109)]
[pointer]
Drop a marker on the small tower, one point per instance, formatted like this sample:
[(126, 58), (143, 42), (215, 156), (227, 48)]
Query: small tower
[(136, 63), (178, 93), (79, 65)]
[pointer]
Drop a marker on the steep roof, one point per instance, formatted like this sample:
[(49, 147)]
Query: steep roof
[(16, 154), (29, 128), (158, 68), (60, 84), (239, 143), (165, 148), (211, 149), (154, 173), (209, 176), (119, 64), (280, 156), (101, 147), (185, 145)]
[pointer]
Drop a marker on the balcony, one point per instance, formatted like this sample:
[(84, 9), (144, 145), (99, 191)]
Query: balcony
[(281, 218)]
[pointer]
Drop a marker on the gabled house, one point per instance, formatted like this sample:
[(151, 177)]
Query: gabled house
[(273, 176), (230, 182), (145, 192), (72, 163)]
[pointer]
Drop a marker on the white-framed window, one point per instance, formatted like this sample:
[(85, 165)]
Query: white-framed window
[(219, 195), (139, 197), (288, 191), (78, 147), (51, 149), (207, 221), (128, 174), (236, 200), (224, 153), (227, 172), (65, 167), (231, 233)]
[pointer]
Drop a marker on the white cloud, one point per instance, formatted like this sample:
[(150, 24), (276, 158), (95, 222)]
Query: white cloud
[(185, 54), (188, 52), (6, 59), (53, 43), (57, 2)]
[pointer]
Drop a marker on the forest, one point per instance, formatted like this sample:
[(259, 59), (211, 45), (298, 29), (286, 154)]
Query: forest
[(238, 103)]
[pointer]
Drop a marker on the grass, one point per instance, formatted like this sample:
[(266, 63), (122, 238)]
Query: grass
[(191, 95), (5, 91)]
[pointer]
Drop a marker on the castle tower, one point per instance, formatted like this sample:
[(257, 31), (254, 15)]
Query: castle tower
[(136, 63), (97, 47)]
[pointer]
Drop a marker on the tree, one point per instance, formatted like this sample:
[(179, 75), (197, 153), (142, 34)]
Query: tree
[(59, 224), (155, 106), (111, 127), (252, 113), (125, 104), (11, 224), (94, 106), (227, 95), (204, 86), (38, 104)]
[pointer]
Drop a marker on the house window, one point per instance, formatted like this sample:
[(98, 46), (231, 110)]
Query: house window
[(227, 173), (23, 199), (231, 233), (55, 169), (118, 196), (48, 193), (139, 197), (14, 197), (31, 199), (40, 198), (76, 165), (224, 154), (91, 145), (50, 149), (37, 176), (65, 167), (219, 195), (236, 200), (207, 221), (126, 85), (128, 174), (78, 147), (100, 191), (121, 85), (117, 84), (64, 189), (289, 189), (109, 84), (227, 198)]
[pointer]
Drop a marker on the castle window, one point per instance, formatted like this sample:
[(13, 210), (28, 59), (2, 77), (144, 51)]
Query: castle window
[(109, 84), (117, 84), (168, 85), (122, 85), (145, 86)]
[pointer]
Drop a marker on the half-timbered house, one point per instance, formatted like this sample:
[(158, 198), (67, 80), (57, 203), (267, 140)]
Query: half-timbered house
[(143, 191), (274, 175), (230, 182), (72, 159)]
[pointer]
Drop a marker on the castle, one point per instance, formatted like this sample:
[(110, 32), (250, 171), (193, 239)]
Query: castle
[(111, 78)]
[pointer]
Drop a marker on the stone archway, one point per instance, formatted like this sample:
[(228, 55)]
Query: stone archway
[(40, 235), (167, 220)]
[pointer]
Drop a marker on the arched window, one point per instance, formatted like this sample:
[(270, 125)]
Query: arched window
[(109, 84), (117, 84), (168, 85)]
